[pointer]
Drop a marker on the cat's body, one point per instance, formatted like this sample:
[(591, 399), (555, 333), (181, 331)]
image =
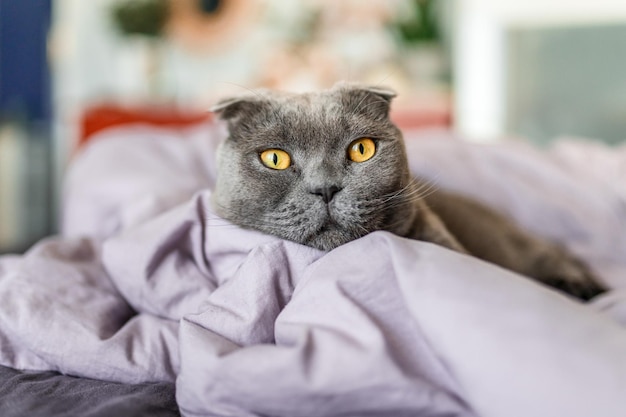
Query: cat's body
[(325, 168)]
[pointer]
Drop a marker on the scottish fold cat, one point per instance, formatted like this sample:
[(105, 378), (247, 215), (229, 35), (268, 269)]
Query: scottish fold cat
[(325, 168)]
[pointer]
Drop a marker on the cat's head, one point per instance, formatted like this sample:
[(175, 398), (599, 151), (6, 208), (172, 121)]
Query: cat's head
[(320, 169)]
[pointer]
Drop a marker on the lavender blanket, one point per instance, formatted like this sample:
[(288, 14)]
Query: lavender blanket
[(147, 284)]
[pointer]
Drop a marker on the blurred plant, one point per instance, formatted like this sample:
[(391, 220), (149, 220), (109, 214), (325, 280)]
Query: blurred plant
[(297, 26), (209, 6), (141, 17), (146, 18), (420, 26), (309, 29)]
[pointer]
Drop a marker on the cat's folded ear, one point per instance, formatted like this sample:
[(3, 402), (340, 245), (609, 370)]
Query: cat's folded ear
[(230, 108), (373, 100), (385, 93)]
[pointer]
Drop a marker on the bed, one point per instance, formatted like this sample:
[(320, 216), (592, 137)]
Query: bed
[(148, 303)]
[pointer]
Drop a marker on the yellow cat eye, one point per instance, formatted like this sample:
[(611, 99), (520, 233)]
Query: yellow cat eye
[(361, 150), (276, 159)]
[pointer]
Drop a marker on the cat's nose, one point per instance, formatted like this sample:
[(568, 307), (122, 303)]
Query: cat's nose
[(327, 193)]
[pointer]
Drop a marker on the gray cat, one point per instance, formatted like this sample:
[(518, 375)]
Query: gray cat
[(325, 168)]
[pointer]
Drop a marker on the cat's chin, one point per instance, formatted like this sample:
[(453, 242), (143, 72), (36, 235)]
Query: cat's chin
[(327, 241), (328, 237)]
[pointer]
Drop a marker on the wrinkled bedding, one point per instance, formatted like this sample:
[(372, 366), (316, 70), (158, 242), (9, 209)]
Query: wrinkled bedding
[(50, 394), (147, 285)]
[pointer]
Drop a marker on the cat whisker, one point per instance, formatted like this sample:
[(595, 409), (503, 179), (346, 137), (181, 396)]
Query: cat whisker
[(427, 186), (357, 107), (427, 190), (400, 193), (363, 228), (395, 224), (243, 87), (410, 192), (365, 96), (378, 84), (414, 191), (365, 106)]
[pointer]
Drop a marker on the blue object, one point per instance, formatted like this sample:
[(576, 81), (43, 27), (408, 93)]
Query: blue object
[(24, 74)]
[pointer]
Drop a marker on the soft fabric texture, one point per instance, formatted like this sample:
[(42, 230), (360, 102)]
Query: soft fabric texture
[(147, 284), (48, 394)]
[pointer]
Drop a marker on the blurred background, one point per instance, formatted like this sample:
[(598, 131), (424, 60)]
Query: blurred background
[(487, 69)]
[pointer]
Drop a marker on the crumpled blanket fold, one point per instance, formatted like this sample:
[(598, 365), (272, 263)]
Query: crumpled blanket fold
[(249, 325)]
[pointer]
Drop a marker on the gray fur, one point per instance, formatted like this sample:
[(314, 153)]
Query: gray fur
[(379, 194)]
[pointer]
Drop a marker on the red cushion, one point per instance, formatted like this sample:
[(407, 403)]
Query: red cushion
[(103, 117)]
